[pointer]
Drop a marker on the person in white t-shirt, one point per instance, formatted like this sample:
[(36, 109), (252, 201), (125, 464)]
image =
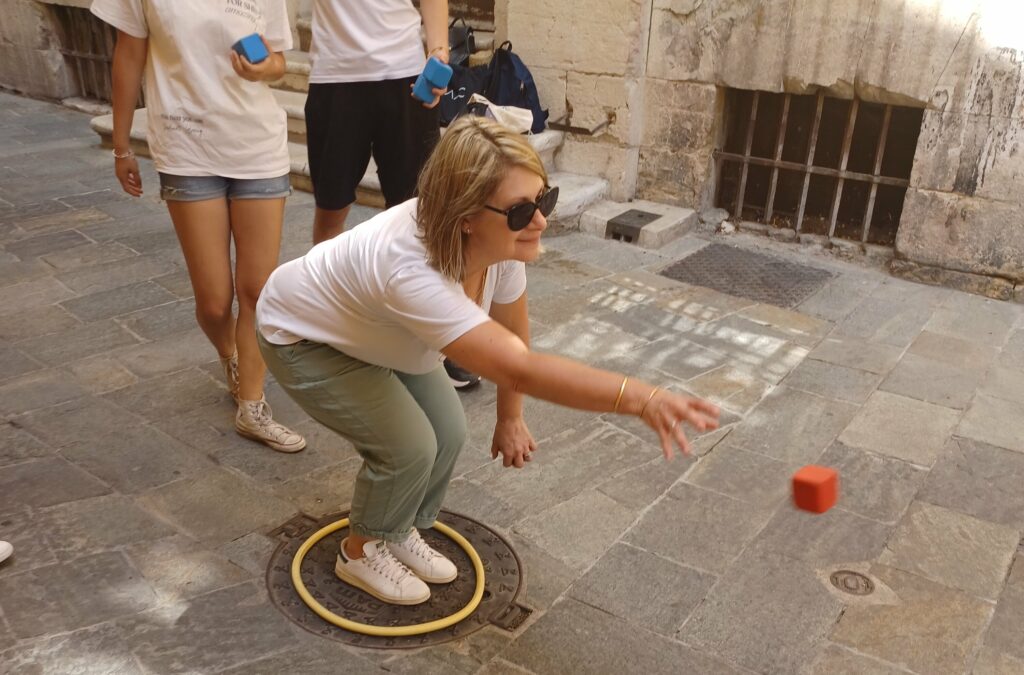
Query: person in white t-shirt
[(220, 145), (355, 331)]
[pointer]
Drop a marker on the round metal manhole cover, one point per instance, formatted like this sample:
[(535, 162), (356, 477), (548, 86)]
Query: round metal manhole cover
[(852, 582), (503, 580)]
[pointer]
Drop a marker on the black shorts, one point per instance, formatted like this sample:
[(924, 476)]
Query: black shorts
[(346, 122)]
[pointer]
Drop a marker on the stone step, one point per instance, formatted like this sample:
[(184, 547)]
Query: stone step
[(671, 222), (577, 192)]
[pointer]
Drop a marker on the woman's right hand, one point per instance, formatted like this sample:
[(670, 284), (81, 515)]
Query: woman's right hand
[(664, 412), (127, 171)]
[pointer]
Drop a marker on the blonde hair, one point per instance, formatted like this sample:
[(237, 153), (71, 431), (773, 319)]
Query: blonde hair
[(463, 172)]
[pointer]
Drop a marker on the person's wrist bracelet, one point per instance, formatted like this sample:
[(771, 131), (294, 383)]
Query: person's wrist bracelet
[(649, 397), (437, 49), (618, 399), (127, 154)]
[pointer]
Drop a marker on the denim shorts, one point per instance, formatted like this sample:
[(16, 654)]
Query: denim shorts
[(197, 188)]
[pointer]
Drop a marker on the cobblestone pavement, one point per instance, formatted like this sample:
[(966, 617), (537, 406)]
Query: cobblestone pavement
[(139, 517)]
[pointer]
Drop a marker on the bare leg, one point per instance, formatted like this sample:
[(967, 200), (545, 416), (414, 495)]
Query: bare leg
[(256, 226), (328, 224), (204, 233)]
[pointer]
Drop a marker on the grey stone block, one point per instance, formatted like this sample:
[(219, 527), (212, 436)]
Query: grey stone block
[(100, 375), (747, 476), (83, 419), (859, 354), (67, 596), (97, 649), (109, 276), (545, 578), (638, 488), (33, 547), (872, 485), (993, 662), (34, 322), (250, 552), (180, 392), (1003, 383), (30, 295), (825, 539), (953, 549), (740, 618), (216, 631), (123, 300), (90, 526), (14, 363), (77, 343), (87, 256), (62, 220), (47, 481), (14, 271), (953, 351), (159, 322), (974, 319), (835, 660), (698, 528), (839, 297), (979, 480), (470, 499), (576, 638), (731, 388), (792, 426), (933, 381), (833, 381), (216, 506), (38, 389), (171, 354), (17, 445), (996, 422), (557, 529), (1004, 631), (890, 321), (322, 491), (178, 568), (931, 629), (643, 589), (901, 427), (33, 247), (750, 346)]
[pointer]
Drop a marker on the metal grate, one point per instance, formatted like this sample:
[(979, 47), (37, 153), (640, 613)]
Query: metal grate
[(87, 44), (746, 274), (817, 164)]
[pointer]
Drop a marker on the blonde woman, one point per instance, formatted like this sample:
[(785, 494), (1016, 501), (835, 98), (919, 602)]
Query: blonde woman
[(355, 332), (220, 145)]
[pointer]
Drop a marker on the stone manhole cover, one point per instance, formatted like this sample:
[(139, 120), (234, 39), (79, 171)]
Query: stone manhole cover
[(852, 582), (503, 576), (747, 274)]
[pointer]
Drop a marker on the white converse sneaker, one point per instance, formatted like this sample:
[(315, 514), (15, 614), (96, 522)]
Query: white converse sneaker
[(427, 563), (230, 366), (5, 550), (381, 575), (254, 420)]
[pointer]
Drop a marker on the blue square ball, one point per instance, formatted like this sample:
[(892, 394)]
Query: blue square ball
[(251, 47)]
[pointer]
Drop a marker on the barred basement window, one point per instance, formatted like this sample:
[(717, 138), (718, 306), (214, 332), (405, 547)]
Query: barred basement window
[(88, 45), (817, 164)]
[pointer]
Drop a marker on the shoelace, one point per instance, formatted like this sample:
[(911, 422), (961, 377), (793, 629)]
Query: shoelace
[(420, 548), (263, 416), (388, 565)]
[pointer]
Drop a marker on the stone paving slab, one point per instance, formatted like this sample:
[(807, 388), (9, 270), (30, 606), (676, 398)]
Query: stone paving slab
[(140, 518)]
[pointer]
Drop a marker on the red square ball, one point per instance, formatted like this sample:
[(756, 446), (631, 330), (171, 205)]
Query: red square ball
[(815, 488)]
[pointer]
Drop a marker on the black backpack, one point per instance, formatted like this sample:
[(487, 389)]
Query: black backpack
[(509, 82), (461, 43)]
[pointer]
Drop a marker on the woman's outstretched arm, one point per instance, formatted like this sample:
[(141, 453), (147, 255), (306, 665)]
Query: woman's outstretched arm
[(126, 75)]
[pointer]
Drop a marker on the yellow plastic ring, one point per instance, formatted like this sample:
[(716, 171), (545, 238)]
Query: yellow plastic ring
[(387, 631)]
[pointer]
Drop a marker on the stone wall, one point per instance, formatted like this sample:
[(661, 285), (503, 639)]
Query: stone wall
[(30, 62), (657, 68)]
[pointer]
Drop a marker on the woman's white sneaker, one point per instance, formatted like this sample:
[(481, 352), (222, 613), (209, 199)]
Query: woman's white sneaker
[(5, 550), (381, 575), (255, 421), (427, 563)]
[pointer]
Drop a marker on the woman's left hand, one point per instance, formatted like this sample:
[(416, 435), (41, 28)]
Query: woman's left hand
[(514, 442), (255, 72)]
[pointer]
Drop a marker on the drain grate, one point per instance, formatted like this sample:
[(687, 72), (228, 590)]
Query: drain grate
[(503, 581), (747, 274), (852, 582)]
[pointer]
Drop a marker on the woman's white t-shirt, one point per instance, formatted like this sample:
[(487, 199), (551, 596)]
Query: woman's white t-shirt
[(370, 293), (203, 118), (365, 41)]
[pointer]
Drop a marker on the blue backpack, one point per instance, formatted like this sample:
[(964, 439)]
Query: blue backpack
[(510, 83)]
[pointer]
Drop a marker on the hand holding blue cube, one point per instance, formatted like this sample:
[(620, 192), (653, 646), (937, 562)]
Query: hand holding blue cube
[(436, 75), (251, 48)]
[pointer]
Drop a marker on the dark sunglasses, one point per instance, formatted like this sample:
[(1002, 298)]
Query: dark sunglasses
[(520, 215)]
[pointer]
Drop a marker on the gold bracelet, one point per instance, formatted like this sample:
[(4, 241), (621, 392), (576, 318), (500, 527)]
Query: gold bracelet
[(653, 392), (129, 153), (618, 399)]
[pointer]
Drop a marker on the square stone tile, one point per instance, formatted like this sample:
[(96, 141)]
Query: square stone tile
[(32, 295), (730, 387), (932, 381), (178, 568), (174, 394), (558, 529), (323, 491), (1003, 383), (953, 549), (931, 629), (740, 619), (873, 486), (97, 649), (953, 351), (33, 545), (17, 445), (698, 528), (101, 374), (839, 297), (973, 318), (747, 476), (576, 638), (88, 255), (644, 589), (992, 662), (83, 419), (36, 390), (640, 487), (109, 276), (158, 322), (835, 660), (833, 381), (213, 632), (860, 354), (545, 577), (35, 321), (216, 506), (251, 552), (1004, 631), (14, 363), (979, 480), (822, 539), (47, 481), (994, 421), (901, 427), (90, 526), (77, 343), (67, 596), (33, 247), (792, 426), (1012, 355)]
